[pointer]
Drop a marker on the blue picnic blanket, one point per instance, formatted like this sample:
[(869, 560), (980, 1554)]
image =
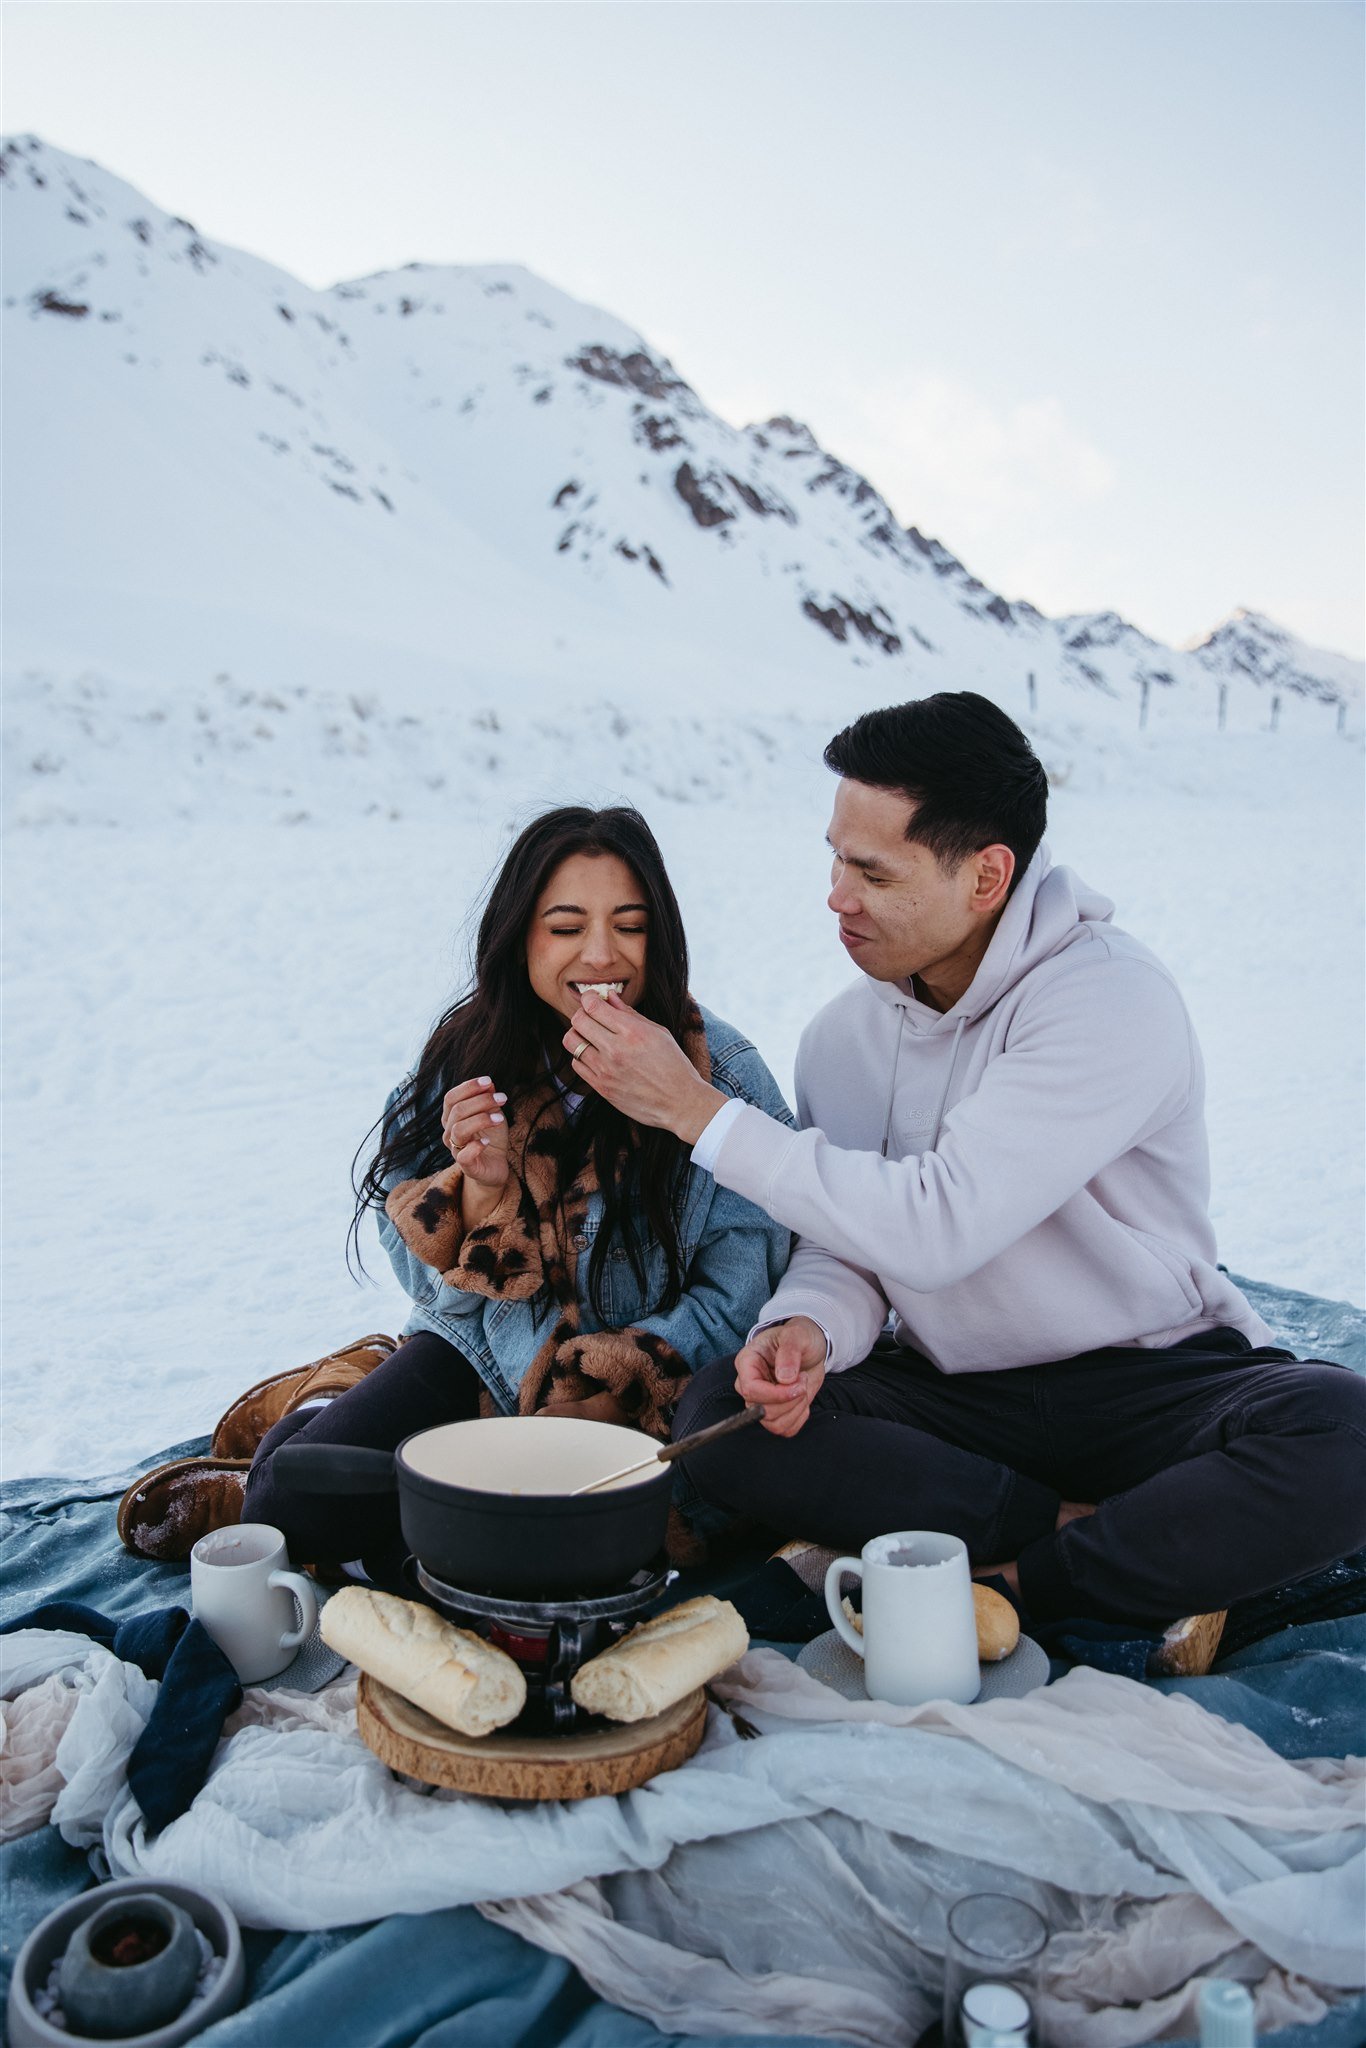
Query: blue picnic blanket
[(450, 1979)]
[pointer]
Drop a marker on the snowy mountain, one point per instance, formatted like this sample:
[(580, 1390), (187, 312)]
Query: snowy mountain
[(458, 489)]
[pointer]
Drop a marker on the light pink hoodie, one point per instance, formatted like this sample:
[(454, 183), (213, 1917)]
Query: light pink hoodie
[(1021, 1178)]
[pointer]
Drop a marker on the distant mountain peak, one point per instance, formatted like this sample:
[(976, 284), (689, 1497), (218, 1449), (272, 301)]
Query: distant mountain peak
[(466, 453)]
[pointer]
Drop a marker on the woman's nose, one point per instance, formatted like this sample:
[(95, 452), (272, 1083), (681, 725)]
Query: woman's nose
[(597, 948)]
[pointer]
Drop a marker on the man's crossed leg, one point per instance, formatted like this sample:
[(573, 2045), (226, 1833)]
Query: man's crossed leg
[(1217, 1472)]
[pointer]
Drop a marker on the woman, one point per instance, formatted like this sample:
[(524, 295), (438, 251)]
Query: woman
[(559, 1258)]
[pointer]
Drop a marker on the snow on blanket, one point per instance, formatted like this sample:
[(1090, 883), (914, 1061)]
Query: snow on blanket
[(797, 1882)]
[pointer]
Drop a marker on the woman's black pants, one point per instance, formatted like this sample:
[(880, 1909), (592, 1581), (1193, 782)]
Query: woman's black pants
[(422, 1384)]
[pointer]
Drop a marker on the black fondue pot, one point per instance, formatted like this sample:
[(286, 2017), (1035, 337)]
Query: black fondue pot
[(486, 1505)]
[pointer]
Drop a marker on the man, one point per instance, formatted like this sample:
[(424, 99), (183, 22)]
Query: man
[(1001, 1141)]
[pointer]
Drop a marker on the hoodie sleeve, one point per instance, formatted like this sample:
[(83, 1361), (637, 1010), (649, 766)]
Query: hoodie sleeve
[(1093, 1066), (844, 1298)]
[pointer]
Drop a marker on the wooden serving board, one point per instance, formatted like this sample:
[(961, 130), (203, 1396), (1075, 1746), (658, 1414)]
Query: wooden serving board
[(606, 1757)]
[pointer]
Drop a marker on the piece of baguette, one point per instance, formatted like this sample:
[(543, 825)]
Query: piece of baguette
[(457, 1678), (998, 1625), (661, 1661)]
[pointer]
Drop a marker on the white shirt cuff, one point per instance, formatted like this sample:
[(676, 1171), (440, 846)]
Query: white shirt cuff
[(708, 1146), (774, 1321)]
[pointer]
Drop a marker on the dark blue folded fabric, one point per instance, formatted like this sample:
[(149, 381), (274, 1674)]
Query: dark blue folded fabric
[(198, 1690), (776, 1607)]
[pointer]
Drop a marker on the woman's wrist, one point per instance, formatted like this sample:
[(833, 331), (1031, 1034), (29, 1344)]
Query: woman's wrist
[(477, 1202)]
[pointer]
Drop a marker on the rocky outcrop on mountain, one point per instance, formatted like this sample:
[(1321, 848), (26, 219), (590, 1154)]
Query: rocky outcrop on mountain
[(465, 463)]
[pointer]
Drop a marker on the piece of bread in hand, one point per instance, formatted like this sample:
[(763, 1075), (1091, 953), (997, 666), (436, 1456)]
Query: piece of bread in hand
[(998, 1625), (457, 1678), (661, 1661)]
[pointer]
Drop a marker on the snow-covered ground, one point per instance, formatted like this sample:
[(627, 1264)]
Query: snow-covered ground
[(204, 1014), (311, 597)]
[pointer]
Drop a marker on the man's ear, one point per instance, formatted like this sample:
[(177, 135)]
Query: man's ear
[(993, 872)]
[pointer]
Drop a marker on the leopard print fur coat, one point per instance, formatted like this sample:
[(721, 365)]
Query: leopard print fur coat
[(528, 1244)]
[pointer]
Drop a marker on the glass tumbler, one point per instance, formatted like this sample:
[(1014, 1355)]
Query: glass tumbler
[(992, 1938)]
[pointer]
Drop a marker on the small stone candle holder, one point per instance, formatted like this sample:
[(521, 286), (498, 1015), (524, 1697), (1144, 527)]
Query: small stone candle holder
[(129, 1968)]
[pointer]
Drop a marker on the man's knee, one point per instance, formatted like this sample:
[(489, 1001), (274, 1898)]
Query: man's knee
[(1315, 1414), (1311, 1398), (708, 1397)]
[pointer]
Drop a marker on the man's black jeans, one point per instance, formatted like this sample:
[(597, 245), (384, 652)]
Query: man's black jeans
[(1220, 1471)]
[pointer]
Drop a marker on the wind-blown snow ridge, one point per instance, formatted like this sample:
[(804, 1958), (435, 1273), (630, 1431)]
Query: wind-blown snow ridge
[(444, 483)]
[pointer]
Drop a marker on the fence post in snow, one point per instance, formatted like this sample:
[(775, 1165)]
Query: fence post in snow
[(1223, 706), (1144, 684), (1275, 713), (1033, 693)]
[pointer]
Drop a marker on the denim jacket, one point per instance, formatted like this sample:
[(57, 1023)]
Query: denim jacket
[(733, 1255)]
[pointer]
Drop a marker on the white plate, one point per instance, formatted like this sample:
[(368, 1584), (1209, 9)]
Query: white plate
[(830, 1659)]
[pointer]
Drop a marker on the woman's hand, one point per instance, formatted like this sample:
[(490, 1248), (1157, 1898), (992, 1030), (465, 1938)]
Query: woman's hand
[(476, 1136)]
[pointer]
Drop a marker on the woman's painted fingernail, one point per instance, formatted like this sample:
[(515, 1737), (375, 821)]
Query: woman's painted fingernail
[(495, 1117), (499, 1098), (485, 1081), (483, 1138)]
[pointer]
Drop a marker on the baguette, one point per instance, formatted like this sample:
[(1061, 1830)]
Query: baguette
[(661, 1661), (457, 1678)]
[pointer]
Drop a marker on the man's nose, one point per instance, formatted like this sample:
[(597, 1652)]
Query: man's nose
[(842, 895)]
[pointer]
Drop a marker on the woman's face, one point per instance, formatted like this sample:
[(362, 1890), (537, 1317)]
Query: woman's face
[(588, 930)]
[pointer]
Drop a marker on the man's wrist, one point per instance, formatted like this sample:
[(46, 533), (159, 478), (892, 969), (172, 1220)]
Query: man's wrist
[(701, 1106)]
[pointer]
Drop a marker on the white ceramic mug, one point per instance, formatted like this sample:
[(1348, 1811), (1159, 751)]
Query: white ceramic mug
[(245, 1595), (919, 1639)]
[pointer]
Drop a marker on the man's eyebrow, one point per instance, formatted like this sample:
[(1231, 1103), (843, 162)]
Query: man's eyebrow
[(854, 860), (577, 909)]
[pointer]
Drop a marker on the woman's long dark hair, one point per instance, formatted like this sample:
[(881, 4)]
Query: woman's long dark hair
[(502, 1028)]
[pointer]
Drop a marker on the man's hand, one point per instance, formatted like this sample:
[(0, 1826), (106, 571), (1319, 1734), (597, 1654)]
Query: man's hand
[(783, 1369), (639, 1068)]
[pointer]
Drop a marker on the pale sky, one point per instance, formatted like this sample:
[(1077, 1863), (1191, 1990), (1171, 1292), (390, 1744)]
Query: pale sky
[(1078, 285)]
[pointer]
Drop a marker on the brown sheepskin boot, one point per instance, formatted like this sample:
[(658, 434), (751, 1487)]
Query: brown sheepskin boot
[(240, 1429), (164, 1514)]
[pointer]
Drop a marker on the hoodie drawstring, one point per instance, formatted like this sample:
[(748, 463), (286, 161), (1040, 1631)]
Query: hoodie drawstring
[(943, 1093), (948, 1083), (891, 1092)]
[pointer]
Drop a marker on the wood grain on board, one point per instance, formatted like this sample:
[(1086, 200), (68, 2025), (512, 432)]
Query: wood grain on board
[(604, 1758)]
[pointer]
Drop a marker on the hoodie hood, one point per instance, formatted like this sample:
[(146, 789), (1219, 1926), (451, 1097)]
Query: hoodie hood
[(1050, 909)]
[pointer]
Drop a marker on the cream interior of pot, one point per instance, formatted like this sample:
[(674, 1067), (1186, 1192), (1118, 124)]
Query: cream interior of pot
[(531, 1454)]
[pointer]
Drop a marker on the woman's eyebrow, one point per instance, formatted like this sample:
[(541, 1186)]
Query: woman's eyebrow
[(577, 909)]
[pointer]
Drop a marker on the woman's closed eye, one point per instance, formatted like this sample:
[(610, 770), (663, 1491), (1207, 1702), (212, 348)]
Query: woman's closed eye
[(575, 931)]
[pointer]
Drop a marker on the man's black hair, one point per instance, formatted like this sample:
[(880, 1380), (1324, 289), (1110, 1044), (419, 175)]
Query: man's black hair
[(972, 775)]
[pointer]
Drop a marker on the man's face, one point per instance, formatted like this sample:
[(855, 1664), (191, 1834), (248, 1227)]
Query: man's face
[(900, 912)]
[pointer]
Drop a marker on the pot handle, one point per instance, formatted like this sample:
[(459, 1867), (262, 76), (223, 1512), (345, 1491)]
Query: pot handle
[(333, 1468)]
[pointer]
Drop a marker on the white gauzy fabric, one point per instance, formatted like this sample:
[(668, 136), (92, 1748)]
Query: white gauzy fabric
[(800, 1881), (114, 1703), (31, 1728)]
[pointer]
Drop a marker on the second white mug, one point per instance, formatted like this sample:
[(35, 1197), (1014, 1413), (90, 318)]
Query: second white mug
[(245, 1596), (919, 1639)]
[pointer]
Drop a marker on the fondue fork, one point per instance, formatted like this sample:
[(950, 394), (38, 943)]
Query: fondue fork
[(669, 1452)]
